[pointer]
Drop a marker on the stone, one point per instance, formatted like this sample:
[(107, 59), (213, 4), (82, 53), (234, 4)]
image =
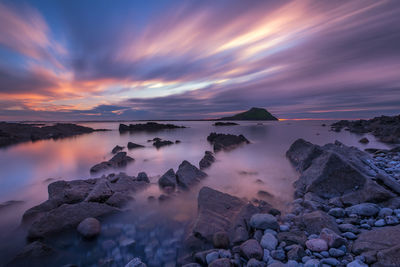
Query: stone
[(117, 149), (142, 176), (226, 141), (330, 261), (380, 223), (136, 262), (317, 245), (269, 241), (117, 161), (349, 235), (251, 249), (212, 256), (133, 145), (101, 192), (364, 140), (377, 239), (221, 263), (391, 220), (312, 263), (364, 209), (264, 221), (334, 252), (337, 212), (293, 237), (207, 160), (89, 228), (161, 143), (221, 239), (356, 263), (34, 254), (315, 221), (278, 254), (296, 253), (385, 212), (147, 127), (332, 239), (348, 227), (168, 179), (389, 257), (188, 174), (255, 263)]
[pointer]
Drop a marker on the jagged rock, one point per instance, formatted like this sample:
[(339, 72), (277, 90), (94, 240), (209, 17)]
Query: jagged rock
[(377, 239), (293, 237), (89, 227), (160, 143), (119, 160), (226, 141), (332, 239), (133, 145), (207, 160), (142, 176), (252, 249), (168, 179), (117, 149), (389, 257), (188, 174), (317, 245), (119, 200), (100, 192), (149, 127)]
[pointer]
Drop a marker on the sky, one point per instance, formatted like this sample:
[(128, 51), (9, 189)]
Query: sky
[(167, 59)]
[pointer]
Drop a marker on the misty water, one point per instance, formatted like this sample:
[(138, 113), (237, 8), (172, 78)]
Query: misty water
[(157, 227)]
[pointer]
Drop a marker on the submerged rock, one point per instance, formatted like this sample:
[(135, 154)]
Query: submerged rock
[(226, 141), (220, 123), (149, 126), (119, 160), (188, 174), (117, 149), (160, 143), (207, 160), (133, 145), (168, 179)]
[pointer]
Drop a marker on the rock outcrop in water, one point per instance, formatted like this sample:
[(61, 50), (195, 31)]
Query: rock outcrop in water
[(386, 128), (226, 141), (207, 160), (220, 123), (186, 176), (13, 133), (148, 127), (118, 161), (253, 114)]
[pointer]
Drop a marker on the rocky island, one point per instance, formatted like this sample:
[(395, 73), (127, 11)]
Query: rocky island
[(148, 127), (253, 114)]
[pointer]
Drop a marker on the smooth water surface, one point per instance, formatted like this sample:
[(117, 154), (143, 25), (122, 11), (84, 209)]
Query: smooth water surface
[(26, 169)]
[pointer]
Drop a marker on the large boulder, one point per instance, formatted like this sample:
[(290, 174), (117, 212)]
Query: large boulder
[(168, 179), (188, 174), (67, 216)]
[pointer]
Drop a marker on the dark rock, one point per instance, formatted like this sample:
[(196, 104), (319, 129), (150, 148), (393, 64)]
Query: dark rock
[(117, 149), (225, 124), (133, 145), (253, 114), (364, 209), (34, 254), (364, 140), (389, 257), (89, 228), (252, 249), (255, 263), (119, 200), (168, 179), (160, 143), (142, 176), (264, 221), (118, 161), (100, 192), (296, 253), (315, 221), (221, 263), (226, 141), (221, 239), (370, 192), (293, 237), (207, 160), (332, 239), (149, 127), (188, 174)]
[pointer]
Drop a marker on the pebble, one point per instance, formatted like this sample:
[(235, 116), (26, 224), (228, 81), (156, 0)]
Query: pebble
[(337, 212), (325, 254), (391, 220), (269, 241), (312, 263), (334, 252), (136, 262), (292, 263), (385, 212), (349, 235), (363, 209), (284, 228), (224, 253), (264, 221), (330, 261), (365, 226), (380, 223), (278, 254)]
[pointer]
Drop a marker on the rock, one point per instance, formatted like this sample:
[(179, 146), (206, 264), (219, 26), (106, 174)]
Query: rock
[(133, 145), (221, 263), (119, 160), (317, 245), (334, 252), (264, 221), (380, 223), (364, 140), (330, 261), (251, 249), (67, 216), (191, 265), (385, 212), (212, 256), (337, 212), (142, 176), (332, 239), (168, 179), (225, 124), (388, 257), (356, 263), (292, 237), (136, 262), (89, 228), (364, 209), (348, 227), (389, 182), (255, 263), (349, 235), (315, 221), (312, 263), (296, 253), (253, 114), (148, 127), (207, 160), (269, 241), (188, 174), (117, 149), (221, 239), (278, 254), (34, 254), (226, 141), (119, 200), (100, 192), (160, 143), (391, 220)]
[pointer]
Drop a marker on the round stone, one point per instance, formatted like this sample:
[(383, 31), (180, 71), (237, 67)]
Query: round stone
[(316, 245), (264, 221), (89, 227)]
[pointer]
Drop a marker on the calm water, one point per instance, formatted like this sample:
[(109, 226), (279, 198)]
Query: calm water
[(26, 169)]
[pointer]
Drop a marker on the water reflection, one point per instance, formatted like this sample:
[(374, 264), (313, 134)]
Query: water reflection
[(26, 169)]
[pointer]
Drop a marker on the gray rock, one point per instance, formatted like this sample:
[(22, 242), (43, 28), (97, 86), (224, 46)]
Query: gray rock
[(380, 223), (315, 221), (221, 239), (100, 192), (269, 241), (168, 179), (364, 209), (312, 263), (136, 262), (391, 220), (188, 174), (332, 239), (133, 145), (330, 261), (264, 221), (119, 200), (212, 256), (356, 263), (255, 263), (317, 244), (142, 176), (207, 160), (89, 228), (221, 263), (119, 160), (292, 263), (334, 252), (251, 249), (226, 141), (278, 254), (296, 253), (388, 257), (348, 227), (385, 212), (224, 253), (349, 235), (117, 149), (337, 212)]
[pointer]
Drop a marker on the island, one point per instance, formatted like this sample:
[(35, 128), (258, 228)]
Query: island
[(253, 114)]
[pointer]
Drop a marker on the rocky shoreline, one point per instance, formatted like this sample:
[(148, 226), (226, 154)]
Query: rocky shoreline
[(13, 133), (346, 212)]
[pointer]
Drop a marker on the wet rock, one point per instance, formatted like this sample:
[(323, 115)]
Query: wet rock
[(117, 149), (168, 179), (149, 127), (212, 256), (133, 145), (226, 141), (334, 252), (100, 192), (225, 124), (89, 228), (264, 221), (142, 176), (67, 216), (337, 212), (356, 263), (251, 249), (207, 160), (293, 237), (119, 160), (317, 244), (296, 253), (364, 209), (221, 239), (388, 257), (315, 221), (188, 174), (119, 200)]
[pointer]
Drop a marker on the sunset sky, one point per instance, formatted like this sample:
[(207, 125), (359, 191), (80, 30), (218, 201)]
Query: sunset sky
[(106, 60)]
